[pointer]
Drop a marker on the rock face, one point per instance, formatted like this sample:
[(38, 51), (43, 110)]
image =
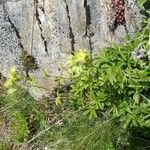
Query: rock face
[(50, 30)]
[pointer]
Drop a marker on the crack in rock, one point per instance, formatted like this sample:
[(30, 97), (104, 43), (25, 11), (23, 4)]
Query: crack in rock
[(88, 23), (40, 23), (13, 27), (72, 37)]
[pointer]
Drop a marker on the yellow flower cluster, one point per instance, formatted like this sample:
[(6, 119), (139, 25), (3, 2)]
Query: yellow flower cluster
[(10, 83), (77, 61)]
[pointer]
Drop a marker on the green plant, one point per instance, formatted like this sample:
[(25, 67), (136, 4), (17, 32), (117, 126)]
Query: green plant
[(113, 81), (19, 127), (24, 114)]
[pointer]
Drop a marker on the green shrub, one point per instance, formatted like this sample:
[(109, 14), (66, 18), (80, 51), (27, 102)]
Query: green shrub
[(113, 81)]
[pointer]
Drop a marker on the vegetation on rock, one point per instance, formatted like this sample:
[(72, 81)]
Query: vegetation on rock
[(106, 107)]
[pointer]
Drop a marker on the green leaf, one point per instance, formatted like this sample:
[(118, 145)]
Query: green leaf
[(58, 99), (136, 97)]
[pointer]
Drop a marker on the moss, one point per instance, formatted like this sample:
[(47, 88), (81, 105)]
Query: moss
[(28, 61)]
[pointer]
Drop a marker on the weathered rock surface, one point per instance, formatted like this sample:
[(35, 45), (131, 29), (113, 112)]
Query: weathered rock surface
[(51, 29)]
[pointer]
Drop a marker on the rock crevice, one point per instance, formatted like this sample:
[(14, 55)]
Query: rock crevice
[(40, 23), (71, 35)]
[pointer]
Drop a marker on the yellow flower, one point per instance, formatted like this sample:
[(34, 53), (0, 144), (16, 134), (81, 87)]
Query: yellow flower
[(81, 55), (9, 83), (13, 73), (13, 76)]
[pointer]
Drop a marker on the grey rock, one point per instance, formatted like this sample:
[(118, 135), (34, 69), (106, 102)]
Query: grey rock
[(140, 53), (51, 30)]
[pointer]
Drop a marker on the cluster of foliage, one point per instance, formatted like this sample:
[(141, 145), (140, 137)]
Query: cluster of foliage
[(113, 82)]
